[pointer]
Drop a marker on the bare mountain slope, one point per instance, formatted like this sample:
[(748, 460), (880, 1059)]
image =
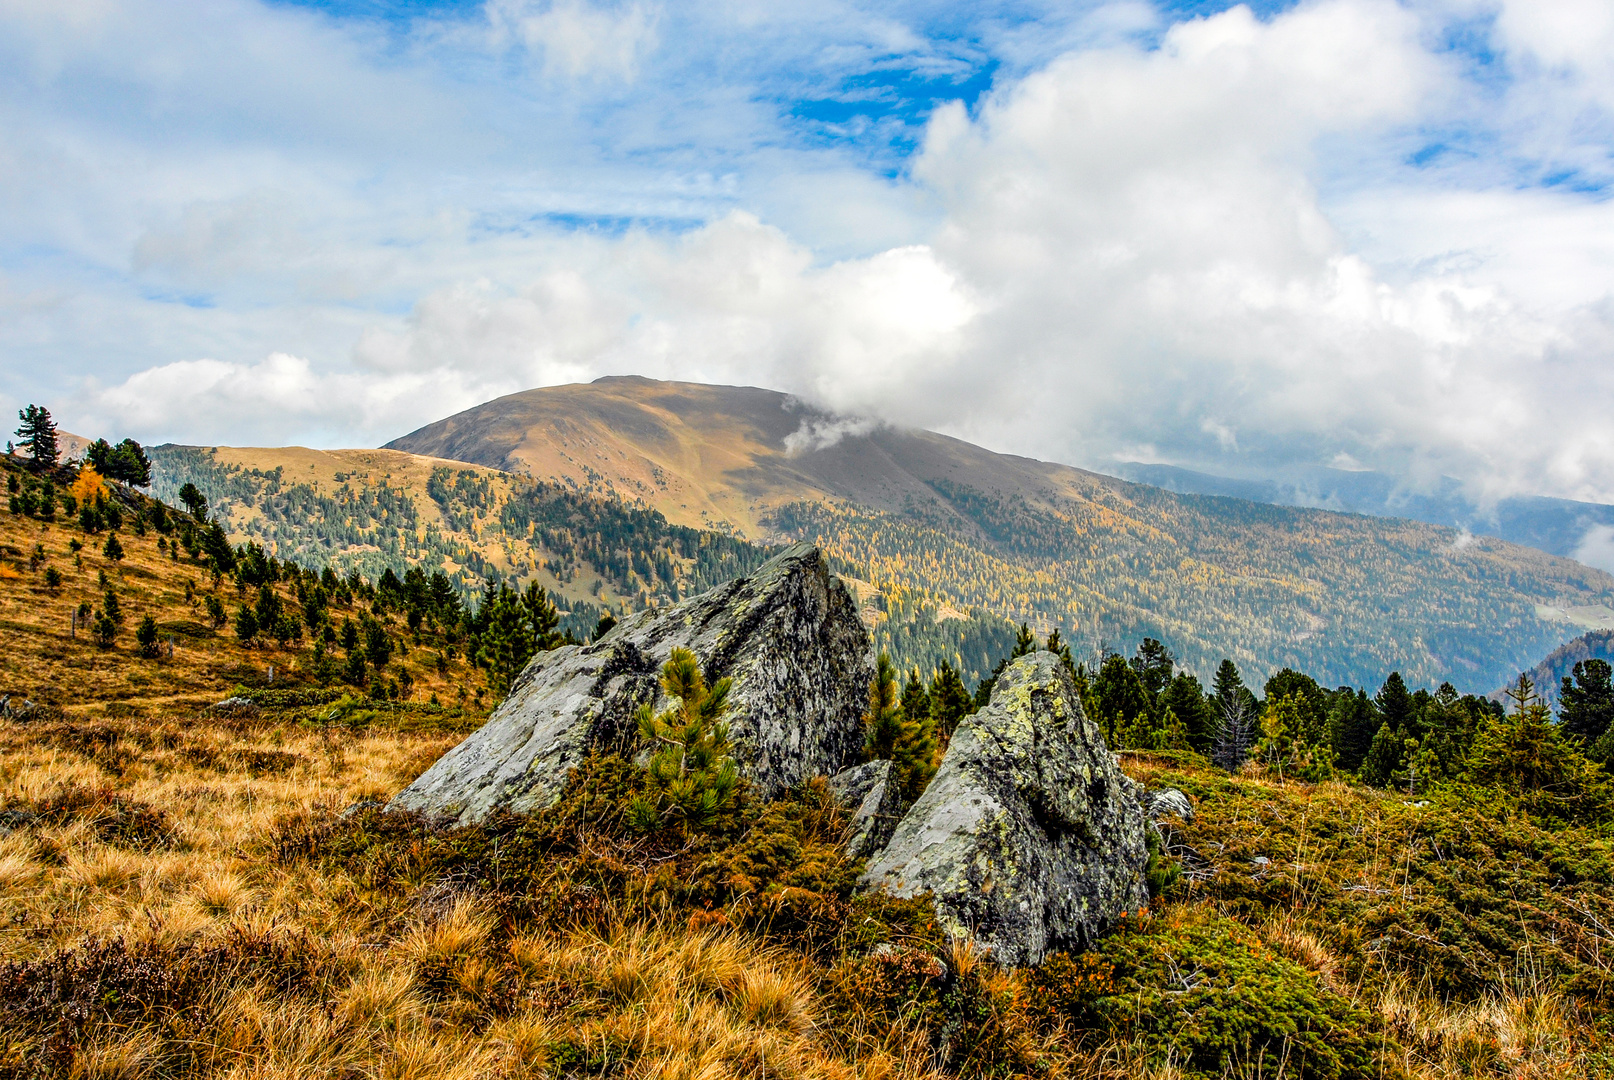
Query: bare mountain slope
[(710, 455), (942, 528)]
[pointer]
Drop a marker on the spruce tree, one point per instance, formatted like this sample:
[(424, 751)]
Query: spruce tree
[(38, 434)]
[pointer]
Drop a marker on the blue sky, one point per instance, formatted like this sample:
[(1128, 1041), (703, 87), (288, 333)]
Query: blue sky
[(1362, 232)]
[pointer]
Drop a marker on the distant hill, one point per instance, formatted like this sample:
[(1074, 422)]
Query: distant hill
[(952, 535), (1556, 526), (1549, 674)]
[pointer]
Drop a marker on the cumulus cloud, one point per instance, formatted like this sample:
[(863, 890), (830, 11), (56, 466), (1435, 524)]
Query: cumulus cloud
[(1228, 242)]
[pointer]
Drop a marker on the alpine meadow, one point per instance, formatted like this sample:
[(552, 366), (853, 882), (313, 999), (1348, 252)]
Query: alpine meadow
[(880, 540)]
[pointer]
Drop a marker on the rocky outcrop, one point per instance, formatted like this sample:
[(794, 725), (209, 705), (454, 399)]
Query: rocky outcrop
[(1029, 838), (870, 793), (790, 638)]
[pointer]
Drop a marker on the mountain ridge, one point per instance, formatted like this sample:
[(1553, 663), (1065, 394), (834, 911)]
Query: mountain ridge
[(939, 524)]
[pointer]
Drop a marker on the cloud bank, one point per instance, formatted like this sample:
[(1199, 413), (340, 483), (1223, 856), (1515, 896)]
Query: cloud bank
[(1229, 242)]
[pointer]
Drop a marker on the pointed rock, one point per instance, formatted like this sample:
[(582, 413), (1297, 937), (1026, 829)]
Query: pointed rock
[(789, 636), (1029, 838)]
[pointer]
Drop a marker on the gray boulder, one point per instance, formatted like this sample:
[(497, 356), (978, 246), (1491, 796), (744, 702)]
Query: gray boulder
[(870, 793), (1169, 802), (789, 636), (1029, 838)]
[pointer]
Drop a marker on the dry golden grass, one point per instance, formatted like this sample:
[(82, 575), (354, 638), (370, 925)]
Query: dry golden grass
[(46, 660), (406, 989)]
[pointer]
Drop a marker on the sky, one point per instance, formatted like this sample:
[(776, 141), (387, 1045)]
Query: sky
[(1357, 233)]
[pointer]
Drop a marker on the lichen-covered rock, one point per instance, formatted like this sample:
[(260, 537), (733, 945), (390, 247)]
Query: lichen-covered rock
[(870, 793), (790, 638), (1169, 802), (1029, 838)]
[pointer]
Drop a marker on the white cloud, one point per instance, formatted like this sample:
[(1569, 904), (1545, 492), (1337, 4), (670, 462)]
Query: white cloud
[(576, 39), (1203, 240)]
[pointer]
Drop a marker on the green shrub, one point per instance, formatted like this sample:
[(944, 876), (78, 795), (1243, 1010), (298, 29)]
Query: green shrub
[(1205, 992)]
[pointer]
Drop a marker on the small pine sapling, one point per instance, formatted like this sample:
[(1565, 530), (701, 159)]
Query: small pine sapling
[(146, 637), (113, 549), (691, 780), (106, 629)]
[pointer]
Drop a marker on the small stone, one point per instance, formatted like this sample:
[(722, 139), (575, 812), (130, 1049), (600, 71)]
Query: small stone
[(1169, 802)]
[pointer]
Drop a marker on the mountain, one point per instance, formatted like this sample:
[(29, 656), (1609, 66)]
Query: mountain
[(1557, 526), (954, 536)]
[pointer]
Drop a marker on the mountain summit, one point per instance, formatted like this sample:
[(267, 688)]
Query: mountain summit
[(726, 456)]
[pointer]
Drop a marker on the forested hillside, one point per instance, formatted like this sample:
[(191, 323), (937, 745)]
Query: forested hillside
[(374, 511), (954, 538)]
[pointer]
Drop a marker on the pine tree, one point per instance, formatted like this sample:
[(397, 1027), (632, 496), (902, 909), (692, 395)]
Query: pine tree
[(246, 624), (113, 550), (194, 500), (1351, 725), (1395, 706), (114, 610), (1526, 753), (1383, 758), (38, 435), (1186, 700), (146, 637), (914, 756), (1311, 723), (882, 723), (1025, 642), (1122, 703), (1154, 665), (691, 780)]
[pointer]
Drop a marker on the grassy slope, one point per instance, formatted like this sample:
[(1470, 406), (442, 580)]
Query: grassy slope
[(43, 660), (248, 928)]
